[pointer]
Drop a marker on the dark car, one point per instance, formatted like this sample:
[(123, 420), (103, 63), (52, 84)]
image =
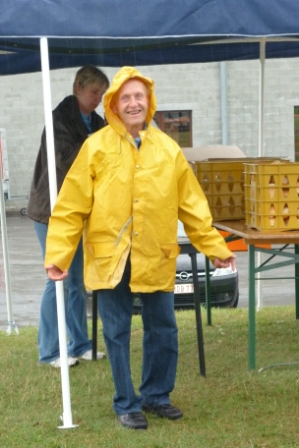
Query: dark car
[(224, 283)]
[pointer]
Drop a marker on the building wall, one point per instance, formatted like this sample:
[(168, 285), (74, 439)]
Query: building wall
[(194, 86)]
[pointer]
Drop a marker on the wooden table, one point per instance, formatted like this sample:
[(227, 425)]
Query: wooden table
[(253, 238)]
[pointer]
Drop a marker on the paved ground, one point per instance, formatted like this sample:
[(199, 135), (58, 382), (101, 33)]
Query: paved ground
[(27, 276)]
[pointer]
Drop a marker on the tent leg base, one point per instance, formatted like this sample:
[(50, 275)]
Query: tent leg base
[(12, 327)]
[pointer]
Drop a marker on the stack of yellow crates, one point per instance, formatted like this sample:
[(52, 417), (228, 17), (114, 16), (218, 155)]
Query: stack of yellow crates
[(223, 184), (272, 195), (222, 181)]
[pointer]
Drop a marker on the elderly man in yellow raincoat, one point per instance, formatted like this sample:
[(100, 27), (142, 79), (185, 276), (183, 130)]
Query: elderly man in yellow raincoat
[(126, 191)]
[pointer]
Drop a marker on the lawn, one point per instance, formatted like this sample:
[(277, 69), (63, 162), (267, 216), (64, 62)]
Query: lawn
[(231, 407)]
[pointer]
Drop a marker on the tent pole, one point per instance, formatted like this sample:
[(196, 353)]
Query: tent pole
[(10, 322), (67, 412), (262, 96), (261, 151), (223, 98)]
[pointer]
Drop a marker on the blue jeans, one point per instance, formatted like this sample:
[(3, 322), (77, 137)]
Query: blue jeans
[(160, 345), (75, 309)]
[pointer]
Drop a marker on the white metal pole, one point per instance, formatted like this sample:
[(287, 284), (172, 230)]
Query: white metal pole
[(67, 412), (262, 96), (223, 93), (10, 322), (261, 151)]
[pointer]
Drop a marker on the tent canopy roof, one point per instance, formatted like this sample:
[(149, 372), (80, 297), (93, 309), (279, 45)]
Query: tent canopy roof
[(117, 32), (116, 19)]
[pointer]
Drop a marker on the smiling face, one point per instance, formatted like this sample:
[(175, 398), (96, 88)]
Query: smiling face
[(89, 97), (131, 104)]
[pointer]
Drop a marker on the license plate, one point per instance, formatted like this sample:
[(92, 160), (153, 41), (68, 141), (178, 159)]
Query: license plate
[(184, 288)]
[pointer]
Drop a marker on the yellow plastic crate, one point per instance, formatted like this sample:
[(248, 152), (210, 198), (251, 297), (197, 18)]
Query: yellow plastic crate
[(226, 206), (272, 195), (222, 181)]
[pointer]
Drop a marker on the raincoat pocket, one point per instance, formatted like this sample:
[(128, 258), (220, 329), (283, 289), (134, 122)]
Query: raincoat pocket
[(103, 253), (171, 250)]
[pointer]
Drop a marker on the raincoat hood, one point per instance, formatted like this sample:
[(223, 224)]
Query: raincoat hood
[(124, 75)]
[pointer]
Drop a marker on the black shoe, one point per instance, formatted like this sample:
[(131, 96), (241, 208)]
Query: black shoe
[(133, 420), (164, 411)]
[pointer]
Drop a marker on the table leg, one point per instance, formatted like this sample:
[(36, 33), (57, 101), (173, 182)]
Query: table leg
[(251, 307), (94, 324), (201, 354)]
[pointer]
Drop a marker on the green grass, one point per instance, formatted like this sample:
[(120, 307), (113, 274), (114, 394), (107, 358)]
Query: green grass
[(231, 408)]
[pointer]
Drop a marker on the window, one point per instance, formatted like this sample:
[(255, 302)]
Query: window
[(296, 132), (177, 124)]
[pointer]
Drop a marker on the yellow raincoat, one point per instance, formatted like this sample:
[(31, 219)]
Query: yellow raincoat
[(127, 201)]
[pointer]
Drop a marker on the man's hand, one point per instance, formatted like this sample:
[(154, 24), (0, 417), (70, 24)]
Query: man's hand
[(226, 263), (54, 273)]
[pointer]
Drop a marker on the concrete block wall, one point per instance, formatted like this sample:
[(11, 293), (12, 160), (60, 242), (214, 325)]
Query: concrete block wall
[(281, 95), (194, 87)]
